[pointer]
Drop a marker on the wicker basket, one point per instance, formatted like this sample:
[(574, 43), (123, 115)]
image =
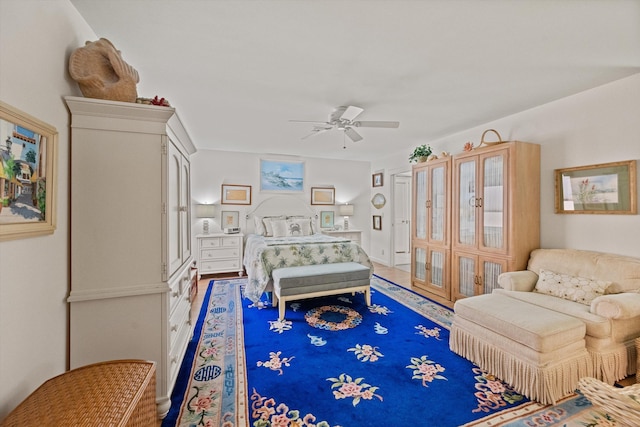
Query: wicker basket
[(617, 402), (483, 142), (115, 393)]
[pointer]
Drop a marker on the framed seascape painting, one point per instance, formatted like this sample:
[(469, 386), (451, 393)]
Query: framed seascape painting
[(236, 194), (28, 161), (607, 188), (281, 175)]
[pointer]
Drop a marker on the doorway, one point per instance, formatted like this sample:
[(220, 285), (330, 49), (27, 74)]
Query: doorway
[(401, 229)]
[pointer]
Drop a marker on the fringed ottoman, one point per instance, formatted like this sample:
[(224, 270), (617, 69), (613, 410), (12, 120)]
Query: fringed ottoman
[(539, 352)]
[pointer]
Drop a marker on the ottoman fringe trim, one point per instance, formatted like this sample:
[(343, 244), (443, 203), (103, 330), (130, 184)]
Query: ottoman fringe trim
[(611, 366), (545, 384)]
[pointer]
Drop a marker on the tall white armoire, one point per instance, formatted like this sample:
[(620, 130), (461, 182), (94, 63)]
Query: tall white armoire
[(130, 236)]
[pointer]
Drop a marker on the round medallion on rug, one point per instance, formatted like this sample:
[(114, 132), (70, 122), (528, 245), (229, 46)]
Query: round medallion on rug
[(333, 318)]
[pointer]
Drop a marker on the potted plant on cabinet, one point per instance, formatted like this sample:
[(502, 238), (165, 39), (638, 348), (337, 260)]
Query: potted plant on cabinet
[(420, 153)]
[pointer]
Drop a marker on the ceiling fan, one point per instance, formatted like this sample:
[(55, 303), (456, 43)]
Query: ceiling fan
[(342, 118)]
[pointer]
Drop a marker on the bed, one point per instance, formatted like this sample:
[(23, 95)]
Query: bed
[(289, 239)]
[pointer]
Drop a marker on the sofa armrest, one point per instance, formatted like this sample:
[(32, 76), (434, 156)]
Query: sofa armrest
[(523, 281), (625, 305)]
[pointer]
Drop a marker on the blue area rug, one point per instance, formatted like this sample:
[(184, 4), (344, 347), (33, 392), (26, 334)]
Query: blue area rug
[(334, 362)]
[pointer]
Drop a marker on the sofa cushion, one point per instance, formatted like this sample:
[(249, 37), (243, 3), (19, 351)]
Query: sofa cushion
[(597, 326), (572, 288)]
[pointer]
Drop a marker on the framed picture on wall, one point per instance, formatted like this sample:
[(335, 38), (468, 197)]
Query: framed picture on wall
[(377, 222), (229, 219), (323, 196), (377, 179), (236, 194), (606, 188), (326, 219), (281, 175), (28, 167)]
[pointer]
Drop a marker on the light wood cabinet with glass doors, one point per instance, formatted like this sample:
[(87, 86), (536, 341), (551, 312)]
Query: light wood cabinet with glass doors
[(495, 214), (430, 229)]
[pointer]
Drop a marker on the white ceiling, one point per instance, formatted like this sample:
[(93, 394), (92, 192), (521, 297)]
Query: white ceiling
[(238, 70)]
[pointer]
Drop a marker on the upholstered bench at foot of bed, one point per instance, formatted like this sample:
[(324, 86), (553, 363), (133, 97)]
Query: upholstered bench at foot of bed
[(309, 281), (540, 353)]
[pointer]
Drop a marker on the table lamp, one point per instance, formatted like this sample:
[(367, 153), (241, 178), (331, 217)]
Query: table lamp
[(205, 211), (346, 211)]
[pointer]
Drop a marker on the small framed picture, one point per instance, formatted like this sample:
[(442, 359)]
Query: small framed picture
[(229, 219), (377, 222), (323, 196), (236, 194), (326, 219), (377, 179)]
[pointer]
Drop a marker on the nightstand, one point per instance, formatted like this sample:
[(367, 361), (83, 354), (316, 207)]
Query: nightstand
[(220, 253), (354, 235)]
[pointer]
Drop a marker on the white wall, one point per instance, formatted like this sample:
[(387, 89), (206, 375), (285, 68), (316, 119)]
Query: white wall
[(35, 43), (210, 169), (600, 125)]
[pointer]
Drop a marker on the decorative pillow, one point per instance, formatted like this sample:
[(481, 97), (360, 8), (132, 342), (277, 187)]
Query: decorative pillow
[(578, 289), (279, 228), (258, 226), (299, 227), (268, 220)]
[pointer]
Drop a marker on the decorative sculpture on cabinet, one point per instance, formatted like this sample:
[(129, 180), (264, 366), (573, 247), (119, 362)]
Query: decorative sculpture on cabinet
[(101, 72)]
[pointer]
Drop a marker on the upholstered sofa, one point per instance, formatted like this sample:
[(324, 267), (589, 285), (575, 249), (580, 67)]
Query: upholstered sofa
[(571, 314)]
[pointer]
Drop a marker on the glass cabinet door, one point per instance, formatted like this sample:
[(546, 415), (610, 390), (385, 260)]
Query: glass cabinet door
[(466, 233), (437, 272), (492, 202), (491, 269), (467, 277), (437, 204), (420, 204), (420, 264)]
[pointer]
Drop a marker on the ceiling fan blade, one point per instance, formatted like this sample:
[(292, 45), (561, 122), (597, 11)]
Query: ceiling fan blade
[(376, 124), (315, 131), (352, 134), (351, 113), (309, 121)]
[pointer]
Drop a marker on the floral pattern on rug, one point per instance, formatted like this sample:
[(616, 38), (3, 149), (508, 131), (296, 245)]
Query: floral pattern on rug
[(356, 389), (268, 413), (426, 332), (493, 393), (426, 370), (366, 353), (275, 362), (379, 309), (351, 318), (280, 326)]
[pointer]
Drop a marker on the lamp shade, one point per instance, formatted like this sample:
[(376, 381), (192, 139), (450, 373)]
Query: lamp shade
[(205, 211), (345, 210)]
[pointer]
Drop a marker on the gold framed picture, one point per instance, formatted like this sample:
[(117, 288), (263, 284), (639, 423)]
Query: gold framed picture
[(606, 188)]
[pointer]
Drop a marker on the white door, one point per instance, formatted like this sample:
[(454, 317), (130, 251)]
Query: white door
[(402, 219)]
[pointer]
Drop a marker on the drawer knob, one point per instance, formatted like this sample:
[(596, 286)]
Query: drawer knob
[(174, 328)]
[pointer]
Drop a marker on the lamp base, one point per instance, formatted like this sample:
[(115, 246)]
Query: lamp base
[(346, 223), (205, 226)]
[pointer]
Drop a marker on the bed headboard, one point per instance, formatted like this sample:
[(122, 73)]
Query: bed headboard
[(280, 205)]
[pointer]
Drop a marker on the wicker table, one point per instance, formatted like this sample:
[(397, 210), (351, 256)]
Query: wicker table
[(114, 393), (638, 360)]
